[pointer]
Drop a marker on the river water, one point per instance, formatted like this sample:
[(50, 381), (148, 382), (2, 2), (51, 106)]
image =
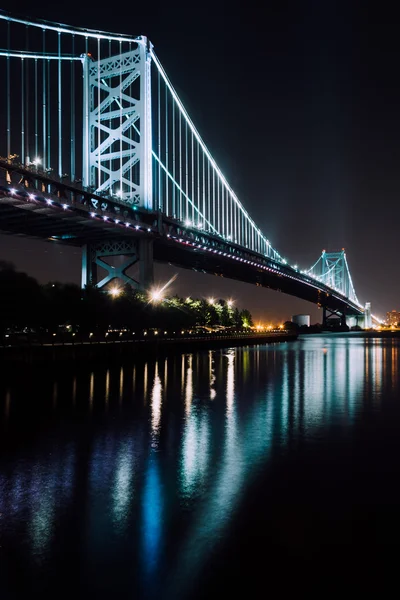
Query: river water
[(205, 473)]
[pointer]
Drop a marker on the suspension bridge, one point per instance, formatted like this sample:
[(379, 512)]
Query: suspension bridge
[(98, 151)]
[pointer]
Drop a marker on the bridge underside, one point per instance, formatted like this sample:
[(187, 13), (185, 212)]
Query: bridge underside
[(63, 226), (216, 265)]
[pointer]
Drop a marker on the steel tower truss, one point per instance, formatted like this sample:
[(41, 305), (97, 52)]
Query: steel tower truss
[(117, 148)]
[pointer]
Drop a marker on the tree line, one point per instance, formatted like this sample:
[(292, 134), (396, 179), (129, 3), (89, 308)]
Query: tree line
[(26, 304)]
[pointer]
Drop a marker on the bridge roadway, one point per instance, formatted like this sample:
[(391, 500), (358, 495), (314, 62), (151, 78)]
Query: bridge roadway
[(34, 204)]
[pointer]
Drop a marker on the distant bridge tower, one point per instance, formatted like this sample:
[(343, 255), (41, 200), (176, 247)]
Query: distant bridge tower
[(332, 270)]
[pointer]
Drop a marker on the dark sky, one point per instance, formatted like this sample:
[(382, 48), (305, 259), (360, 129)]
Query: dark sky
[(299, 102)]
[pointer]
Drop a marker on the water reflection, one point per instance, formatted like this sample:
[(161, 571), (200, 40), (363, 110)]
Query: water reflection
[(156, 400), (172, 473)]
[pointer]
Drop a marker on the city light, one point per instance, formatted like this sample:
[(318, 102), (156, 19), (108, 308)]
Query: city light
[(156, 295), (115, 292)]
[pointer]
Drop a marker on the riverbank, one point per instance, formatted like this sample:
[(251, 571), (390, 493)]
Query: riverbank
[(121, 350)]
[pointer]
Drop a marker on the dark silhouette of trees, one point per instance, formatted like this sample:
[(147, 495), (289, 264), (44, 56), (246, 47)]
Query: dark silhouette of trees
[(26, 305)]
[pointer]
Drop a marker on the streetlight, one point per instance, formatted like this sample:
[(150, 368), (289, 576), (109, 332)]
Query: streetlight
[(115, 292), (211, 301), (230, 303), (156, 295)]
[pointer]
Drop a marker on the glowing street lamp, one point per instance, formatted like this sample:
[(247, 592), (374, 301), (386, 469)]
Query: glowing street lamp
[(230, 303), (156, 295), (115, 292), (211, 301)]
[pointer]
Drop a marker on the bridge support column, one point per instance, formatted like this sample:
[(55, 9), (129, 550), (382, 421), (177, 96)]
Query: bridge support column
[(134, 251), (333, 319)]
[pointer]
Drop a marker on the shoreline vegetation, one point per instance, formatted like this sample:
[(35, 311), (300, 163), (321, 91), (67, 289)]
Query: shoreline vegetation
[(59, 321)]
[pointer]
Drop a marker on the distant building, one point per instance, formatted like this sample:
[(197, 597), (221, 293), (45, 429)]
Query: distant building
[(392, 318), (301, 320)]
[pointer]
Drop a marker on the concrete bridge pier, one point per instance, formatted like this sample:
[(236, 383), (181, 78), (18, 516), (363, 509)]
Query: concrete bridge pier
[(136, 252), (332, 318)]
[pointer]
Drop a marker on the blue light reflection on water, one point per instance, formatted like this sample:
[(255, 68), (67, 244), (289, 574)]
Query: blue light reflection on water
[(156, 458)]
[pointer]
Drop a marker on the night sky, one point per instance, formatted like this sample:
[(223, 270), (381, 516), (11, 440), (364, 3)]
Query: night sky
[(299, 102)]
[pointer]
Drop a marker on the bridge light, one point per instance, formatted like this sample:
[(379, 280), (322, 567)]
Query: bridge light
[(49, 202), (32, 196), (137, 227), (188, 223), (13, 191), (105, 218), (92, 214), (116, 221), (118, 193), (127, 224), (37, 161), (65, 206)]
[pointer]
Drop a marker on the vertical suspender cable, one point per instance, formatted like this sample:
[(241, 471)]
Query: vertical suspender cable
[(209, 192), (8, 96), (166, 150), (22, 113), (218, 208), (222, 209), (213, 200), (180, 166), (204, 193), (44, 121), (173, 157), (198, 178), (109, 128), (48, 116), (120, 124), (99, 172), (36, 110), (59, 109), (187, 172), (26, 100), (72, 85), (235, 235), (159, 140), (232, 209), (192, 196)]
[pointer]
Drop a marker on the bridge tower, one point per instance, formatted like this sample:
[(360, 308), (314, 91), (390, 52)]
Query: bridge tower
[(367, 316), (117, 154)]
